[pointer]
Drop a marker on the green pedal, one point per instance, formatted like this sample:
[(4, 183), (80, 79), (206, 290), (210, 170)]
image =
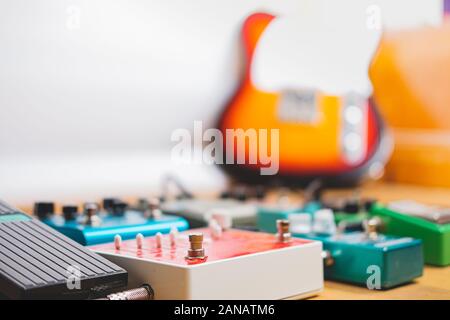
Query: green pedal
[(429, 223)]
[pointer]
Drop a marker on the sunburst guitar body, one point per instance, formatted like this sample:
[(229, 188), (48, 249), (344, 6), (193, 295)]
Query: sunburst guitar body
[(337, 138)]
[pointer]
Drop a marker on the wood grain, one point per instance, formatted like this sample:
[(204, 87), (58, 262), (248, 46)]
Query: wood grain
[(434, 284)]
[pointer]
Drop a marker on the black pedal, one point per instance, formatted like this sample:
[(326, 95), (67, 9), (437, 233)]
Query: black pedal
[(37, 262)]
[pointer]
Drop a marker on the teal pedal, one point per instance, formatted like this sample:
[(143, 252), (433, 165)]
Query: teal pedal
[(363, 258), (386, 261), (267, 216), (350, 211)]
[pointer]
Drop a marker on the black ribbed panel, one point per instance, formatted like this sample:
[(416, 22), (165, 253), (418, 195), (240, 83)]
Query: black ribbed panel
[(33, 255), (6, 209)]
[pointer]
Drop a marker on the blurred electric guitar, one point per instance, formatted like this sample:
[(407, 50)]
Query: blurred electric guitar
[(338, 138)]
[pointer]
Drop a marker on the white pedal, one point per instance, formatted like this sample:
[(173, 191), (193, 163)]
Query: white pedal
[(237, 265)]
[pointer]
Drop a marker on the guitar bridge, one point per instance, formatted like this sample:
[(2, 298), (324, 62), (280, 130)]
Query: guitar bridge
[(298, 106)]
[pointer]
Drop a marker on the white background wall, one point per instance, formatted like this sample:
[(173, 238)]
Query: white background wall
[(87, 109)]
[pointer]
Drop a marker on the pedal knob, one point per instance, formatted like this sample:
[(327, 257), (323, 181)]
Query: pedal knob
[(240, 193), (153, 203), (139, 240), (90, 208), (70, 212), (142, 204), (119, 208), (108, 203), (117, 241), (158, 239), (196, 250), (260, 192), (154, 210), (283, 234), (223, 218), (44, 209), (351, 206), (225, 194), (216, 229), (368, 204), (173, 236), (91, 213), (324, 222), (370, 228)]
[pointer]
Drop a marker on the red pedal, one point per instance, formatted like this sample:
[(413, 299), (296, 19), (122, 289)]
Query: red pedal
[(233, 264)]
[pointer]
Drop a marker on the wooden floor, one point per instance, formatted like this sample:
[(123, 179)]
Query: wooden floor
[(434, 284)]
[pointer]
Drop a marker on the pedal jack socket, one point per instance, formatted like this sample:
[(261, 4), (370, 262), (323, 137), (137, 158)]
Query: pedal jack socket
[(143, 293), (283, 234), (328, 259), (196, 250)]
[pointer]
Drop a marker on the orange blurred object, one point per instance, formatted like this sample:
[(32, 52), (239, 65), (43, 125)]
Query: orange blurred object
[(411, 80)]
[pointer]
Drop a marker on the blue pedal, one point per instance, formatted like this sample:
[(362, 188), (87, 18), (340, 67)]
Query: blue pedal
[(96, 226)]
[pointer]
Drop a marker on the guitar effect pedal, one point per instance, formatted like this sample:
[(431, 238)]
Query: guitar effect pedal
[(350, 211), (356, 256), (268, 215), (411, 219), (220, 263), (95, 226), (198, 211), (36, 262), (347, 212)]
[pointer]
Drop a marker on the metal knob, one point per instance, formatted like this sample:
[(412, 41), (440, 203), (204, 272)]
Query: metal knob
[(44, 210), (119, 207), (91, 214), (142, 204), (70, 212), (153, 210), (196, 250), (108, 203), (222, 217), (153, 203), (371, 226), (283, 233)]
